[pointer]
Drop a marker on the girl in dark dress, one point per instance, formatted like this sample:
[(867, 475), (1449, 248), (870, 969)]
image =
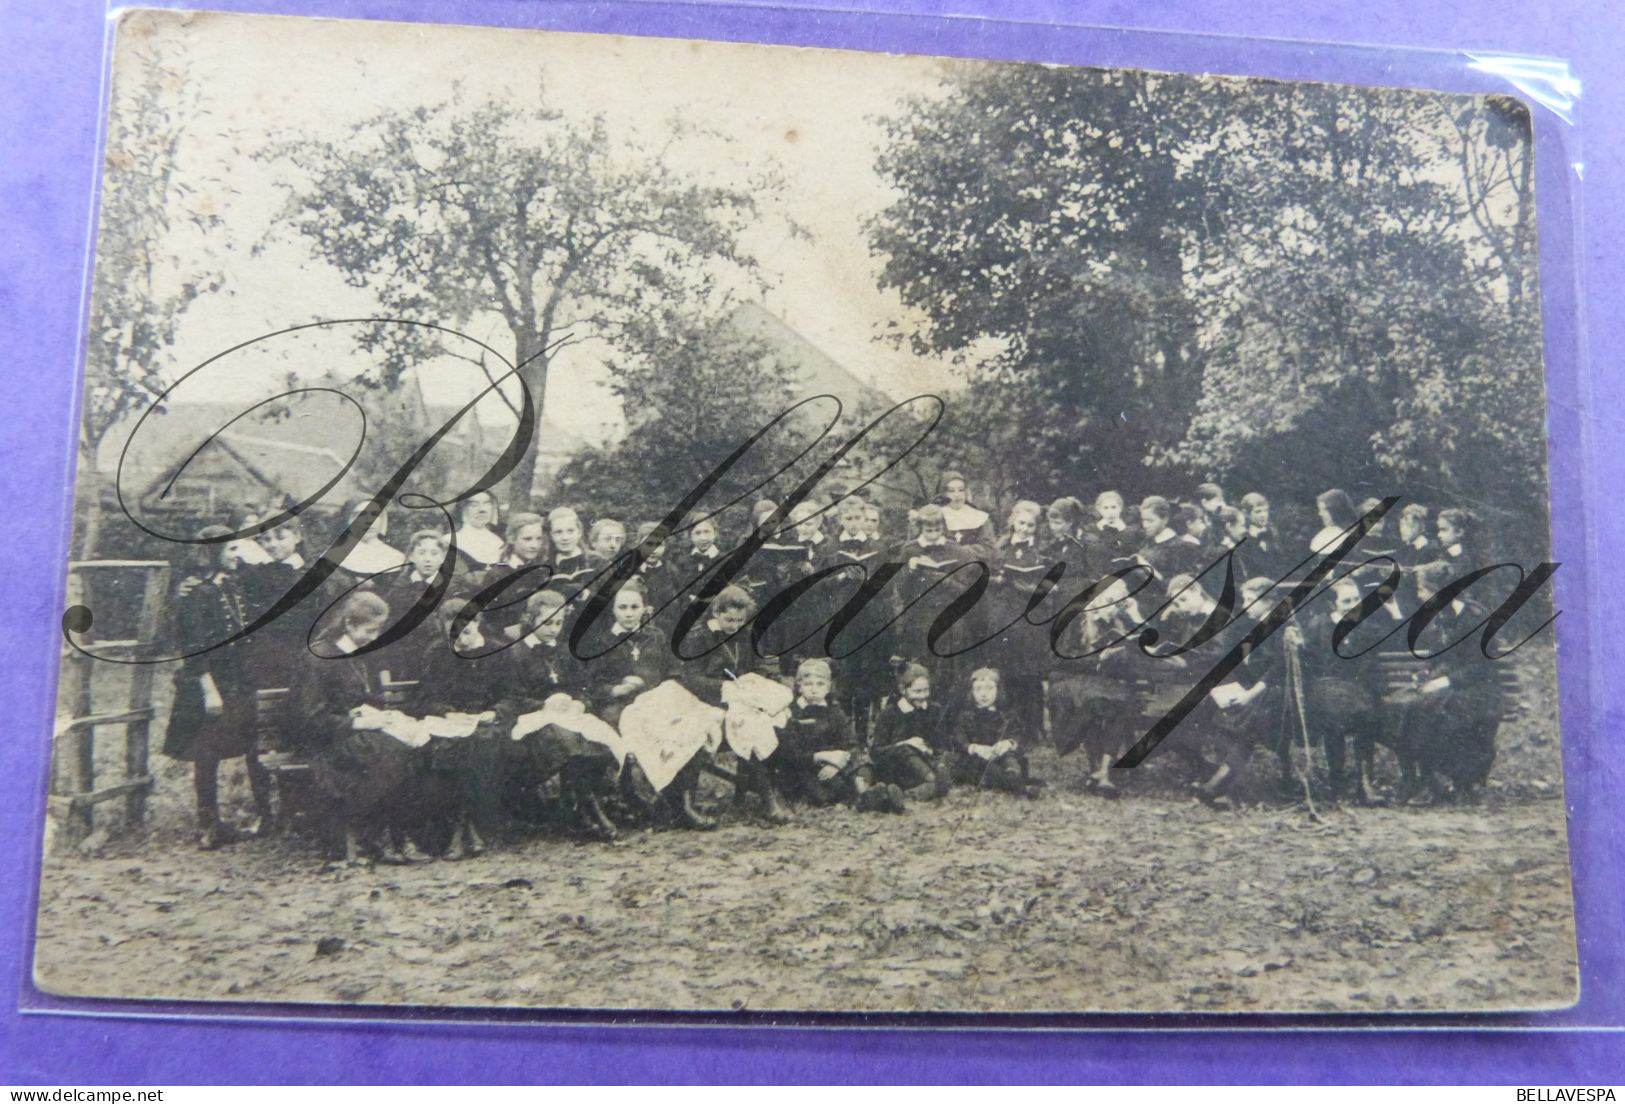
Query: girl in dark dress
[(1265, 556), (273, 656), (1340, 699), (1161, 549), (213, 714), (539, 667), (1021, 650), (1214, 747), (861, 650), (1064, 521), (1377, 540), (1415, 547), (1111, 540), (606, 538), (1231, 531), (363, 773), (935, 574), (1455, 538), (1244, 710), (1452, 714), (1336, 512), (910, 739), (983, 741), (622, 657), (526, 547), (574, 566), (464, 672), (1096, 704), (819, 760), (656, 575), (721, 653)]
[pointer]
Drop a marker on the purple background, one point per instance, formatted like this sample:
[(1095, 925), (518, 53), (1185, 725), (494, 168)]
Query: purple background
[(49, 106)]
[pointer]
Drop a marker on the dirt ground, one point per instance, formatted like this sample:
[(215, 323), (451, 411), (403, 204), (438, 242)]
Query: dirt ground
[(981, 902)]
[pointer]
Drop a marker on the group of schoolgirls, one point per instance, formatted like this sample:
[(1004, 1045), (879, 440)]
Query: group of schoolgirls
[(896, 711), (1442, 729), (384, 798)]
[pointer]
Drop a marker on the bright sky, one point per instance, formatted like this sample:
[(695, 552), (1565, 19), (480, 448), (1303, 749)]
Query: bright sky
[(261, 78)]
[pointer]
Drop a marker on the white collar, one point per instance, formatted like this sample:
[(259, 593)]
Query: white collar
[(295, 561), (963, 517), (1454, 549), (1163, 537), (803, 703), (370, 557), (345, 645), (905, 706), (709, 554), (481, 544), (1115, 526), (1419, 543)]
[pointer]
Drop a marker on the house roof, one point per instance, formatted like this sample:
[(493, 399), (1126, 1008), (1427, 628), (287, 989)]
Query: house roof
[(816, 372), (299, 448), (555, 439), (309, 425)]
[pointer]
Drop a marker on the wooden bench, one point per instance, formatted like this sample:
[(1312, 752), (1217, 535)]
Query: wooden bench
[(280, 755)]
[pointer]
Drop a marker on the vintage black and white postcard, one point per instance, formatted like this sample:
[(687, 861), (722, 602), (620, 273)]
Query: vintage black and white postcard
[(571, 521)]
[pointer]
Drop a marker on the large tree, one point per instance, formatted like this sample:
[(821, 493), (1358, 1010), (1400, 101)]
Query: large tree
[(148, 269), (695, 390), (1289, 285), (518, 220), (1042, 225), (1356, 319)]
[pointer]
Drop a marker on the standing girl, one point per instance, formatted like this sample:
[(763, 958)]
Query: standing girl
[(213, 714), (1021, 648)]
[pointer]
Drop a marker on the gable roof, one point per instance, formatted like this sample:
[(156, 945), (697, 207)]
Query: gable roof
[(815, 371), (312, 421)]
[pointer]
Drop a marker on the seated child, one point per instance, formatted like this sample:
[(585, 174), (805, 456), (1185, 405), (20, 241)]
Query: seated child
[(362, 773), (984, 751), (818, 760), (623, 659), (908, 741), (460, 673), (540, 666)]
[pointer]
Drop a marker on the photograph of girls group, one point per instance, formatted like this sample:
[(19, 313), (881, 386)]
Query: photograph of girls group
[(900, 719), (455, 616)]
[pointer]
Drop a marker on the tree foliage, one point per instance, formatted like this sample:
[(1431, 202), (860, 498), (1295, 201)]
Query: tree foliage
[(694, 390), (519, 221), (141, 287), (1285, 285)]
